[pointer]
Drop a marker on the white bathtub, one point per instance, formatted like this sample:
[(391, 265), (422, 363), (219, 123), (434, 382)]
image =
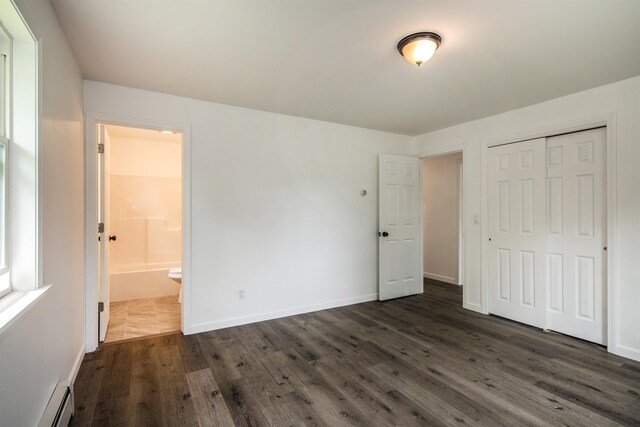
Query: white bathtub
[(144, 281)]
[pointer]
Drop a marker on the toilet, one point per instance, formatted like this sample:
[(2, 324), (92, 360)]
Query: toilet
[(176, 274)]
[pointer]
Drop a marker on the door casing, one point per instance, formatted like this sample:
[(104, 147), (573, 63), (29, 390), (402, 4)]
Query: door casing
[(92, 119)]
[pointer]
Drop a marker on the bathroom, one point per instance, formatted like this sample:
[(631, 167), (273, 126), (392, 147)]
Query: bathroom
[(143, 231)]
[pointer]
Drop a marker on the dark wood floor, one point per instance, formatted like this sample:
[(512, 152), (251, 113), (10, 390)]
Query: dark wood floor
[(420, 360)]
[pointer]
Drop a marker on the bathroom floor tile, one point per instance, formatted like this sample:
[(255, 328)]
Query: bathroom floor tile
[(115, 333), (168, 322), (141, 306), (168, 299), (168, 315), (168, 305), (142, 301), (168, 327), (143, 317), (135, 331)]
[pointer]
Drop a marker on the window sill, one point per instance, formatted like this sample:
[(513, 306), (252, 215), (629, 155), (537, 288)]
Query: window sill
[(16, 304)]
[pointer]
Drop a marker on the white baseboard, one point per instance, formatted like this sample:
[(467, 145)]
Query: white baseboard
[(440, 278), (76, 366), (628, 352), (244, 320)]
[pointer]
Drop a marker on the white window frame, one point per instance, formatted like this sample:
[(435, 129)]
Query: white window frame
[(5, 175), (5, 225), (24, 235)]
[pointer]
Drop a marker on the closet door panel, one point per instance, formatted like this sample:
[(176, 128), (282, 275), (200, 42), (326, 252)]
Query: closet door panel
[(576, 213), (516, 184)]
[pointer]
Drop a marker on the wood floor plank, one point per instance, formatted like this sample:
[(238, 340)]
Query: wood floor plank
[(302, 343), (114, 412), (242, 407), (145, 407), (361, 398), (437, 408), (89, 380), (209, 405), (218, 360), (328, 402), (116, 376), (175, 396), (419, 360), (191, 353), (302, 413), (404, 411), (270, 336)]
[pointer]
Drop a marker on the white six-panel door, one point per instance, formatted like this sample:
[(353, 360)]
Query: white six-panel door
[(576, 234), (399, 227), (546, 201), (517, 231)]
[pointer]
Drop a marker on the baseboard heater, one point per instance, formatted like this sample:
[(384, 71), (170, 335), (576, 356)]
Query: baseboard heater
[(60, 407)]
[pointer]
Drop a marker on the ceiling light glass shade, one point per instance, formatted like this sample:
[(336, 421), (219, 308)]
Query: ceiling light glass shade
[(418, 48)]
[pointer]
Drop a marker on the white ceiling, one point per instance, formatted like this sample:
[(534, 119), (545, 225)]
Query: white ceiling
[(337, 60)]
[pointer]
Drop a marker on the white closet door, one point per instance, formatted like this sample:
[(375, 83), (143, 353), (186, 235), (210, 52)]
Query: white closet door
[(517, 231), (576, 239)]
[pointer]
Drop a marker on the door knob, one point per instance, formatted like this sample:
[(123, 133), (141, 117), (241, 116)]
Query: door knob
[(112, 238), (383, 234)]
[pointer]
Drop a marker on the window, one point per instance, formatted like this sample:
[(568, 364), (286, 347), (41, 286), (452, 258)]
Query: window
[(5, 49), (20, 209)]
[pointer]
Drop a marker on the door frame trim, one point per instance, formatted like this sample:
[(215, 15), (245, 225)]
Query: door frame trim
[(91, 120), (610, 122), (461, 221)]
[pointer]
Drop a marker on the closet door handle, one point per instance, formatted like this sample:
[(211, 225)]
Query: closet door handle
[(112, 238)]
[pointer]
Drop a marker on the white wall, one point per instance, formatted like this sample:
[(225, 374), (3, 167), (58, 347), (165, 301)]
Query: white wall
[(440, 200), (276, 208), (621, 99), (42, 346)]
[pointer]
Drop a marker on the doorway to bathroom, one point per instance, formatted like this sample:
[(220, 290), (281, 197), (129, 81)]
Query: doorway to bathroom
[(139, 264)]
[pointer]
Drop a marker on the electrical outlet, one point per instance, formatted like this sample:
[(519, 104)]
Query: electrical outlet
[(241, 294)]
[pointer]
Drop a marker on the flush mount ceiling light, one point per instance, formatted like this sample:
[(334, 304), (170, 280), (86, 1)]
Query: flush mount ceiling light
[(418, 48)]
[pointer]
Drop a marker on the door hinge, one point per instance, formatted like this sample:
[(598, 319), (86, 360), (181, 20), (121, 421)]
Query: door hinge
[(100, 306), (100, 148), (101, 227)]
